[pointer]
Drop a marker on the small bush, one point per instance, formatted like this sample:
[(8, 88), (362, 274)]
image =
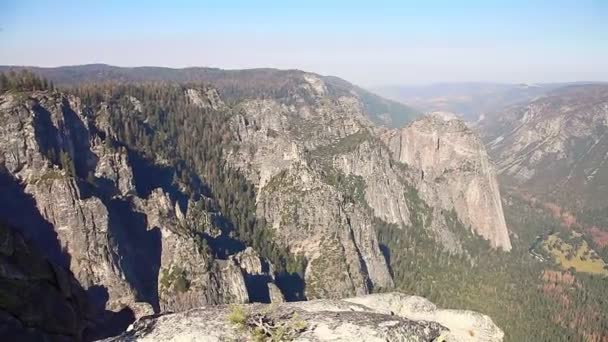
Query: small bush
[(237, 315)]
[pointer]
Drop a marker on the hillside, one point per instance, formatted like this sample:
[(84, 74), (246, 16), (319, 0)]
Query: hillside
[(551, 156), (110, 174), (555, 146)]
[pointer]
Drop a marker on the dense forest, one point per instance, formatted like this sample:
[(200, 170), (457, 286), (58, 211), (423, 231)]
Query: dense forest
[(23, 80), (528, 299)]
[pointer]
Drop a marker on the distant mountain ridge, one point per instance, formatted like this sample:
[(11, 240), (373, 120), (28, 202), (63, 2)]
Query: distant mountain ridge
[(555, 146), (231, 84), (470, 100)]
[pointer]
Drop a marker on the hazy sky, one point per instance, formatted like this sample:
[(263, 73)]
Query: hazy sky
[(369, 43)]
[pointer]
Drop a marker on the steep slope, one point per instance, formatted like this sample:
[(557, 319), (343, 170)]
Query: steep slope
[(455, 172), (551, 157), (325, 180), (152, 192), (39, 301), (75, 189), (555, 146)]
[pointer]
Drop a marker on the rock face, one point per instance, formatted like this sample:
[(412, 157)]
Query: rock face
[(302, 196), (38, 299), (78, 202), (555, 146), (463, 325), (382, 317), (454, 172), (325, 176)]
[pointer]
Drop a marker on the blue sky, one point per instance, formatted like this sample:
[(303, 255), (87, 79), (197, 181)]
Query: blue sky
[(367, 42)]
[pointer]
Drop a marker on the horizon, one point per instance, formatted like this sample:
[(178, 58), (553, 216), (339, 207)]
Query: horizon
[(372, 88), (385, 44)]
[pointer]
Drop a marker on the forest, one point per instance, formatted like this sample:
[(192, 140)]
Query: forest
[(529, 299)]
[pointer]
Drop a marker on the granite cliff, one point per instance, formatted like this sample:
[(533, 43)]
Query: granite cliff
[(79, 204), (148, 219), (324, 174), (455, 172)]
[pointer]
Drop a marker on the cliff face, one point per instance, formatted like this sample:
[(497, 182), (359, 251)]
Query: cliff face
[(325, 176), (314, 208), (383, 317), (454, 172), (325, 180), (77, 201)]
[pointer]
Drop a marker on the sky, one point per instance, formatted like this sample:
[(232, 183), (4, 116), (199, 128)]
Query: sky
[(370, 43)]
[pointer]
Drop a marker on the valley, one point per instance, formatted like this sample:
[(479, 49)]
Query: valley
[(163, 194)]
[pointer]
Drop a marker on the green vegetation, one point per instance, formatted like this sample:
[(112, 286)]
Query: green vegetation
[(509, 287), (50, 176), (237, 315), (381, 111), (387, 112), (67, 163), (267, 326), (331, 266), (174, 278), (24, 80), (576, 255), (597, 235), (192, 141), (342, 146), (351, 186)]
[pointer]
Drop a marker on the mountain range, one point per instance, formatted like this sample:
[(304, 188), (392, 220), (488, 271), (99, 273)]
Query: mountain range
[(470, 100), (154, 190)]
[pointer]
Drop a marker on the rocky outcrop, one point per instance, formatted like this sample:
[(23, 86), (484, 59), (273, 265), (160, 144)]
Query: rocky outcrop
[(287, 150), (80, 188), (335, 236), (324, 182), (205, 98), (383, 317), (453, 172), (463, 325), (44, 145), (324, 175)]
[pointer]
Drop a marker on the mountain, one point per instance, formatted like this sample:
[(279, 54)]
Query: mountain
[(161, 196), (468, 100), (551, 156), (324, 178), (232, 84), (39, 300), (456, 170), (555, 146), (554, 150)]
